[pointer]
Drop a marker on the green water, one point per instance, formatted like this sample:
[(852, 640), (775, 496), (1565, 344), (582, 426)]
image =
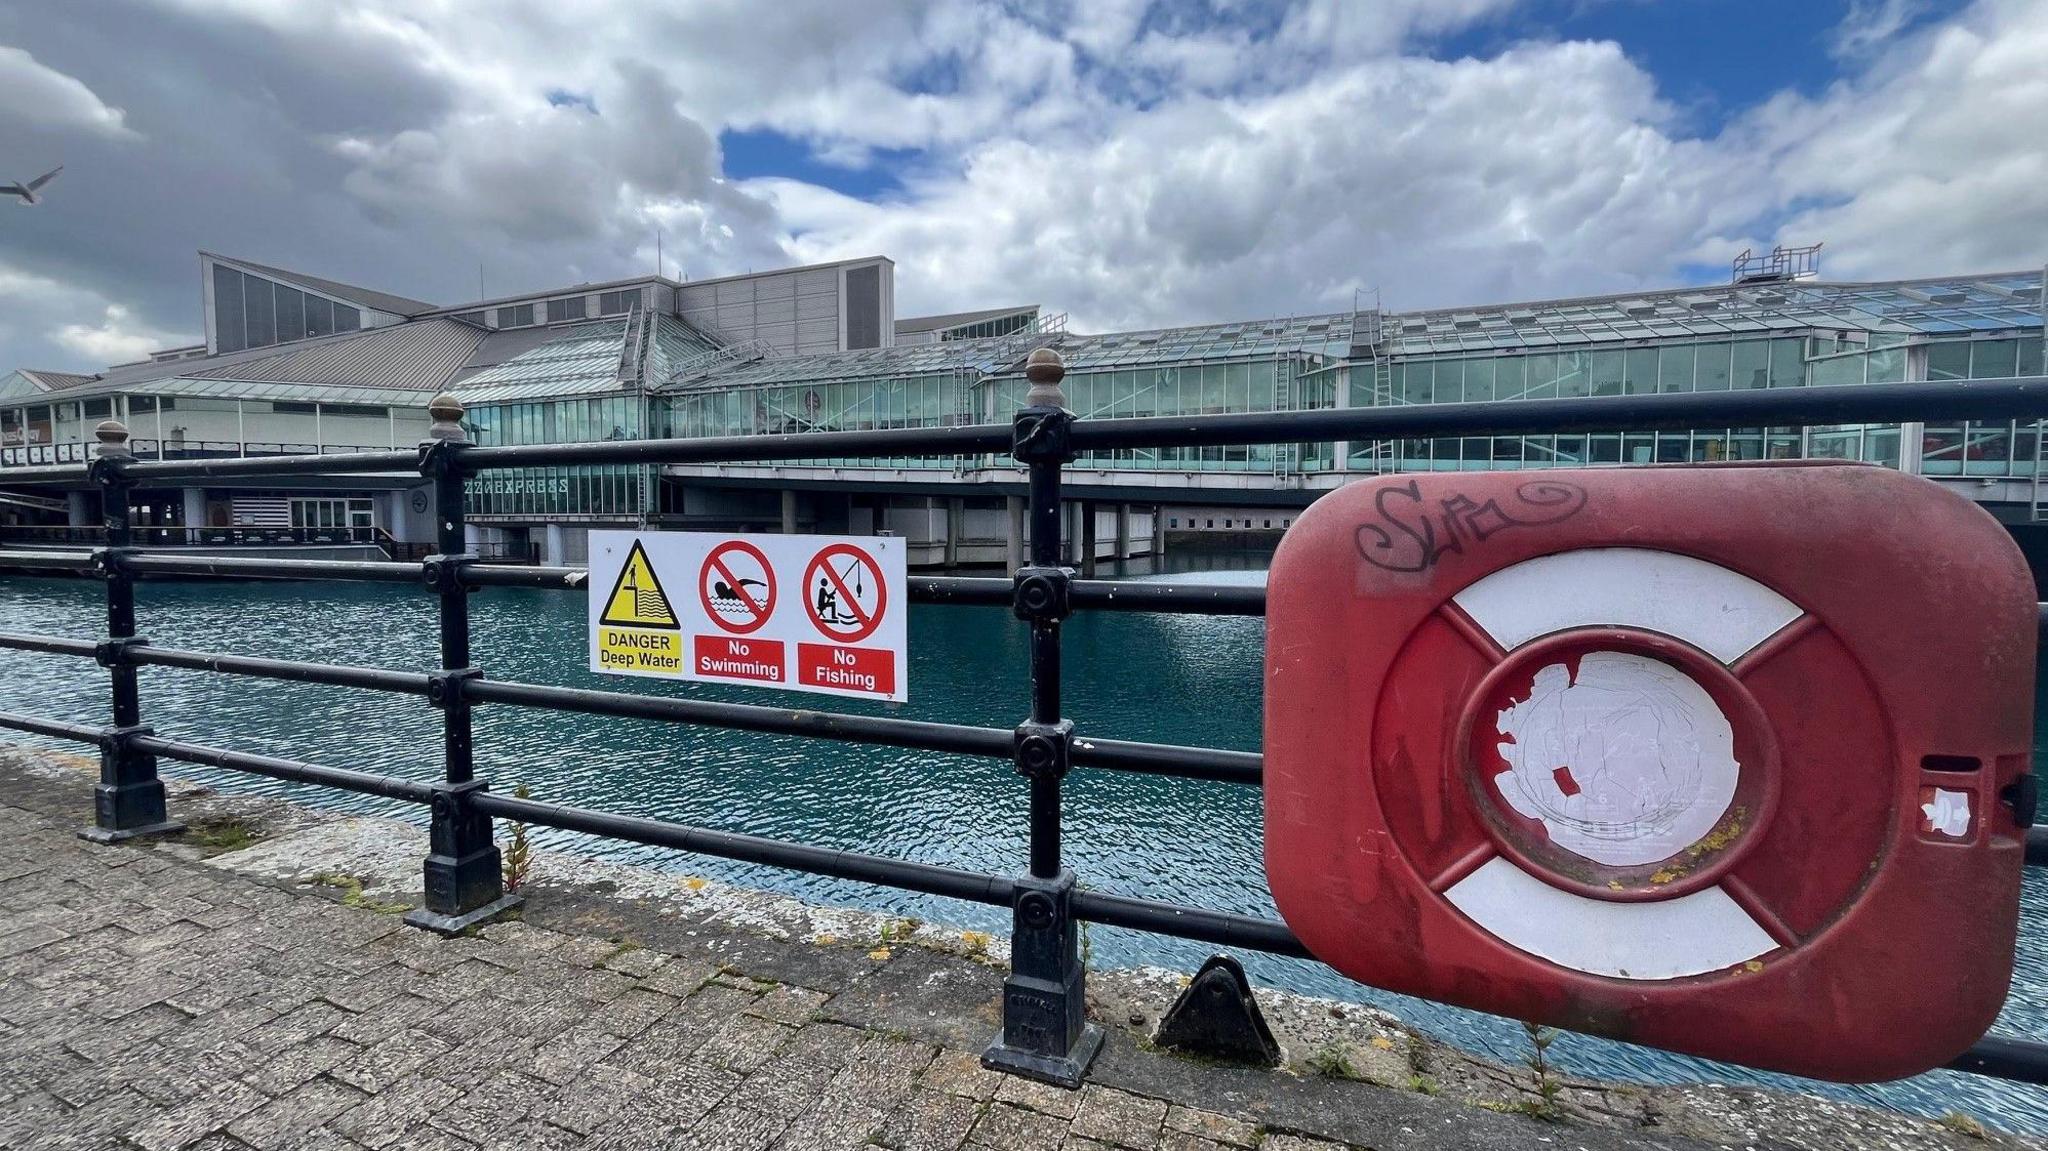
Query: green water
[(1177, 679)]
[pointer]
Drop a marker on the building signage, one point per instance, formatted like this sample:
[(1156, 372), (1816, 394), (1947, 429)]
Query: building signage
[(802, 613), (1625, 751)]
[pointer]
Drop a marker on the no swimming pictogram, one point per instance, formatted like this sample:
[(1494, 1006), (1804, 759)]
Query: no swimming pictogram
[(737, 587), (844, 593)]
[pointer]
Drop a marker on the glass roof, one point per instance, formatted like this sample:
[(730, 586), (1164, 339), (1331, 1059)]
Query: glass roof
[(584, 354)]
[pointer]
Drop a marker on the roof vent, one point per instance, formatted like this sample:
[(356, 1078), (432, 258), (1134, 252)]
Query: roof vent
[(1702, 303), (1639, 307)]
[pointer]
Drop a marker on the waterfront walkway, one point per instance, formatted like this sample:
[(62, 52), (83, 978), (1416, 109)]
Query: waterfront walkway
[(154, 1001)]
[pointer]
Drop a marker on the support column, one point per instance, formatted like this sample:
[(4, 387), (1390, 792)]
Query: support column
[(1159, 531), (956, 522), (463, 872), (552, 545), (78, 509), (195, 513), (1046, 1035), (789, 511), (1088, 518), (1123, 532), (1013, 557), (129, 800)]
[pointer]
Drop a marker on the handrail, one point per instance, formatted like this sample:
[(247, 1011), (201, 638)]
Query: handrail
[(1039, 1031)]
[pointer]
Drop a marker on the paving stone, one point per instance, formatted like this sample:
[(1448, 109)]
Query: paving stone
[(398, 1113), (786, 1004), (882, 1071), (1120, 1118), (1211, 1125), (1038, 1096), (1182, 1141), (561, 1059), (961, 1073), (493, 1105), (744, 1043), (678, 977), (734, 1128), (208, 1111), (634, 1012), (533, 1135), (637, 962), (1299, 1143), (290, 1119), (287, 1069), (387, 1061), (1006, 1128), (929, 1121), (601, 1098)]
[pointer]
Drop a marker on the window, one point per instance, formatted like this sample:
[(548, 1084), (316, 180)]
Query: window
[(1174, 522), (138, 404), (319, 316), (293, 408), (1713, 367), (864, 307), (347, 319), (1640, 369), (1752, 365), (376, 410), (1605, 372), (1788, 365), (99, 409), (564, 310), (1674, 369), (291, 314), (1212, 523), (229, 331), (1994, 359), (476, 318), (617, 303), (259, 312), (1948, 360), (516, 316)]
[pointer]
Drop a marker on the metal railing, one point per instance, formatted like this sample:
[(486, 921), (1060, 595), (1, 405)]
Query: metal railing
[(1044, 1031)]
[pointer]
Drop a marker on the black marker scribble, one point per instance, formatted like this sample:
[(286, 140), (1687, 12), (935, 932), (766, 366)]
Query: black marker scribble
[(1408, 536)]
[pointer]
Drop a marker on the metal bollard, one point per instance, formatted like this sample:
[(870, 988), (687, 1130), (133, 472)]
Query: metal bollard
[(1046, 1035)]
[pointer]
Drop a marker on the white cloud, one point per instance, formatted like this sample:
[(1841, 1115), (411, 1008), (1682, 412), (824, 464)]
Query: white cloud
[(1871, 23), (38, 96), (118, 337)]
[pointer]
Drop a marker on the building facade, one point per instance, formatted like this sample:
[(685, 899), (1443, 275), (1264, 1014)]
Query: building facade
[(294, 363)]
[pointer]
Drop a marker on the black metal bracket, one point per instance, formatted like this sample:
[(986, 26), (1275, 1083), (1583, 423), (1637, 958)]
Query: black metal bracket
[(128, 801), (445, 687), (112, 651), (1046, 1034), (1041, 435), (105, 472), (1216, 1017), (464, 875), (2023, 795), (439, 457), (444, 573), (1043, 593), (1045, 749), (110, 562)]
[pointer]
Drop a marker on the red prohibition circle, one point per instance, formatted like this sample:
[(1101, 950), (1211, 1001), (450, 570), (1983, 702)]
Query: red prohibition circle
[(714, 562), (1689, 867), (868, 623)]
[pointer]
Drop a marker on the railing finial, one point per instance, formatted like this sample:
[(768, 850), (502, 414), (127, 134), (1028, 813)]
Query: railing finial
[(446, 411), (113, 438), (1045, 369)]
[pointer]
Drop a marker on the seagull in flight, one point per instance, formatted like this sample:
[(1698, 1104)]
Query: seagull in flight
[(27, 191)]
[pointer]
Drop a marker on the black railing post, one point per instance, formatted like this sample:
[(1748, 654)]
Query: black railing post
[(129, 799), (1046, 1034), (464, 876)]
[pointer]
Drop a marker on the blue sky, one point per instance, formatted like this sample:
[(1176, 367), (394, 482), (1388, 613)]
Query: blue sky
[(1133, 163)]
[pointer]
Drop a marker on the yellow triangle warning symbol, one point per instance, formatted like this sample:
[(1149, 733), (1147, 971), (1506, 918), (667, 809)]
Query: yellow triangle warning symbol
[(637, 599)]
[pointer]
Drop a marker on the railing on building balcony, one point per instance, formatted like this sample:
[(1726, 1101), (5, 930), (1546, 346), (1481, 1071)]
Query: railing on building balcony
[(36, 455), (1043, 1028), (176, 536)]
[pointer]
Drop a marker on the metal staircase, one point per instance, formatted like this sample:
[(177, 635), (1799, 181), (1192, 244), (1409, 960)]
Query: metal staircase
[(1369, 335), (633, 351)]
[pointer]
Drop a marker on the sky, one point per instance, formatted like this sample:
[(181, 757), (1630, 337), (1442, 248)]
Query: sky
[(1133, 163)]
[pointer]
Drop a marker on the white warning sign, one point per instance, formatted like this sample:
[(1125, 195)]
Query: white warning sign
[(803, 613)]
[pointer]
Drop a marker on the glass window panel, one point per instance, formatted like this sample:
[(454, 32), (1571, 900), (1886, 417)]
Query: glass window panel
[(1674, 369), (1640, 371), (1837, 370), (1834, 443), (1885, 366), (1478, 381), (1605, 373), (1510, 377), (1781, 444), (1414, 381), (1881, 446), (1571, 376), (1604, 450), (1713, 368), (291, 314), (1988, 449), (319, 316), (229, 331), (1571, 450), (1994, 360), (1450, 382), (1674, 447), (2030, 357), (1788, 365), (259, 312), (1948, 360), (1542, 377), (1752, 365), (347, 319), (1941, 449)]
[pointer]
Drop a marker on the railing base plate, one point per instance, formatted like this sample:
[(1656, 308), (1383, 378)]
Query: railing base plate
[(123, 835), (457, 924), (1059, 1070)]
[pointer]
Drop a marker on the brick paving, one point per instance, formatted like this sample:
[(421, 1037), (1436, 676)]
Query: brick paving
[(155, 1002)]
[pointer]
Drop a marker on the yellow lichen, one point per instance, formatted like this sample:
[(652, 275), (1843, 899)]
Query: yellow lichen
[(694, 883), (827, 939), (1383, 1043), (879, 954)]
